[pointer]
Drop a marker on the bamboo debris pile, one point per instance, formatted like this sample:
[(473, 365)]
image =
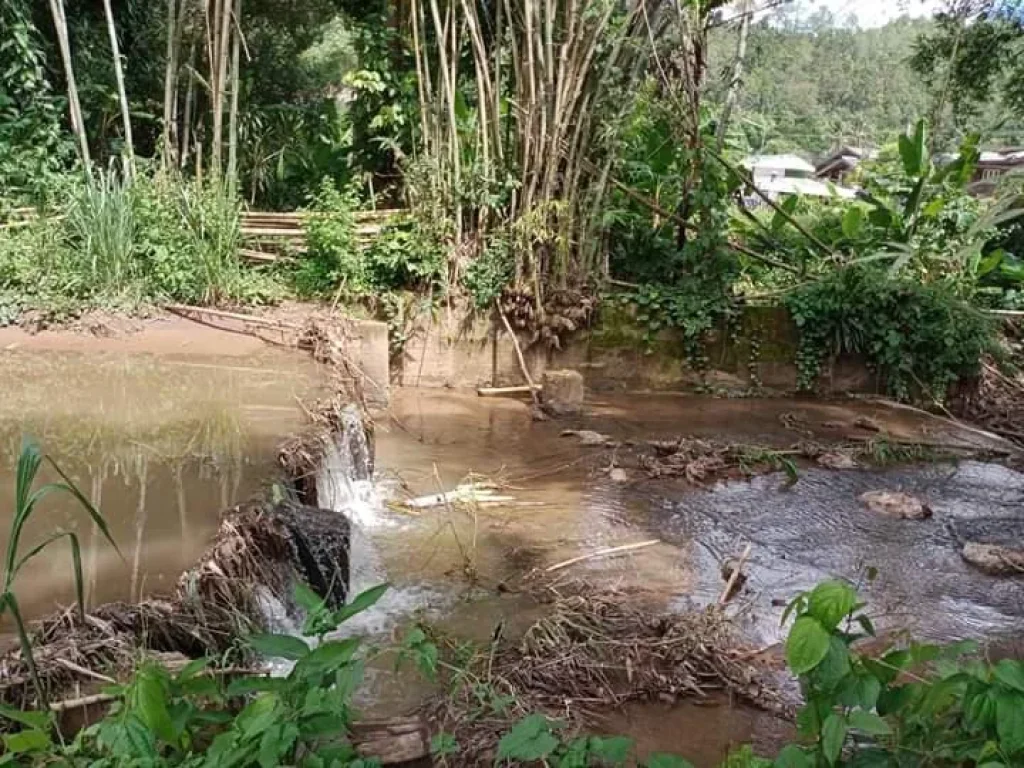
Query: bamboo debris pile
[(700, 461), (594, 651), (997, 403)]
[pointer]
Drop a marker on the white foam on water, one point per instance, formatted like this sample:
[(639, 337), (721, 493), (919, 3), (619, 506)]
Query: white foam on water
[(346, 485), (345, 481)]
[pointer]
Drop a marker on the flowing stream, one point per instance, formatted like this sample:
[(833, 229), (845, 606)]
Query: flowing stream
[(164, 444)]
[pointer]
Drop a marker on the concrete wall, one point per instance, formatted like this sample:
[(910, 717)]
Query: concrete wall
[(454, 349), (372, 352)]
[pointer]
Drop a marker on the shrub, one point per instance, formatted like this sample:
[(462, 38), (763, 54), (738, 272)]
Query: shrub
[(919, 337), (333, 255)]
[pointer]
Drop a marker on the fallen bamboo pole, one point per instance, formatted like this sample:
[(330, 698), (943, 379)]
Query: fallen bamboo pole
[(734, 576), (519, 353), (499, 391), (606, 552)]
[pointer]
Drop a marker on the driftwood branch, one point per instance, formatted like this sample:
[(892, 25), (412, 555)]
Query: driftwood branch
[(606, 552)]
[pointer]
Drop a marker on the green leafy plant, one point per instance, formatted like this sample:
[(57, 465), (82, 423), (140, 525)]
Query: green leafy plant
[(191, 719), (919, 704), (333, 256), (26, 500), (920, 338), (536, 739)]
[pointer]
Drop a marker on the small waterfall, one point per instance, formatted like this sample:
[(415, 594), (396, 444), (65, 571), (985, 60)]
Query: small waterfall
[(345, 484), (345, 481)]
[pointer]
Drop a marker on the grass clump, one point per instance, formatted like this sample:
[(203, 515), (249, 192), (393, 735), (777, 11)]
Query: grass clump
[(122, 244)]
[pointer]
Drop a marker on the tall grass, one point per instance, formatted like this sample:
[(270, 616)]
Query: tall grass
[(121, 243), (101, 225), (210, 216)]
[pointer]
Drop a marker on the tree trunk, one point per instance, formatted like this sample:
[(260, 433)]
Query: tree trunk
[(115, 49), (74, 106), (736, 84), (190, 98)]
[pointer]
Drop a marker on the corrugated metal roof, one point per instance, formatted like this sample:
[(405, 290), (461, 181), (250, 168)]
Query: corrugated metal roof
[(787, 162)]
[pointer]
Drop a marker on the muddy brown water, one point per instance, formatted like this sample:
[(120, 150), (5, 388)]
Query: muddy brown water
[(161, 444), (165, 442)]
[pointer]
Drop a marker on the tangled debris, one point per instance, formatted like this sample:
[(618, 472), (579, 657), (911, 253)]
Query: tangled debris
[(701, 462), (996, 402), (595, 650), (259, 551)]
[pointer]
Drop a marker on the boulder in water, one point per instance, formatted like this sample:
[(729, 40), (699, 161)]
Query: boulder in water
[(586, 436), (896, 504), (268, 546), (562, 392), (994, 559)]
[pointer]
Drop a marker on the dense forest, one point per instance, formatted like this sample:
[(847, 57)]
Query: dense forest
[(545, 156)]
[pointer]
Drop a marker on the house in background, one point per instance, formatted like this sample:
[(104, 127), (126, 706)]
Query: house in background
[(779, 175), (838, 166), (991, 167)]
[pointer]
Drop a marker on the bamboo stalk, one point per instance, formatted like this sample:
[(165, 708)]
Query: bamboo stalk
[(736, 83), (600, 553), (74, 106), (122, 97), (236, 46)]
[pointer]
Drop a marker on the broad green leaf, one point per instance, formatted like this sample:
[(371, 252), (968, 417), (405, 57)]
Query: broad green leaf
[(192, 669), (258, 715), (830, 602), (610, 750), (38, 720), (806, 645), (362, 602), (792, 756), (869, 723), (307, 598), (835, 666), (1010, 721), (327, 658), (662, 760), (853, 221), (530, 739), (1010, 673), (913, 150), (860, 691), (279, 646), (27, 741), (152, 705), (833, 735)]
